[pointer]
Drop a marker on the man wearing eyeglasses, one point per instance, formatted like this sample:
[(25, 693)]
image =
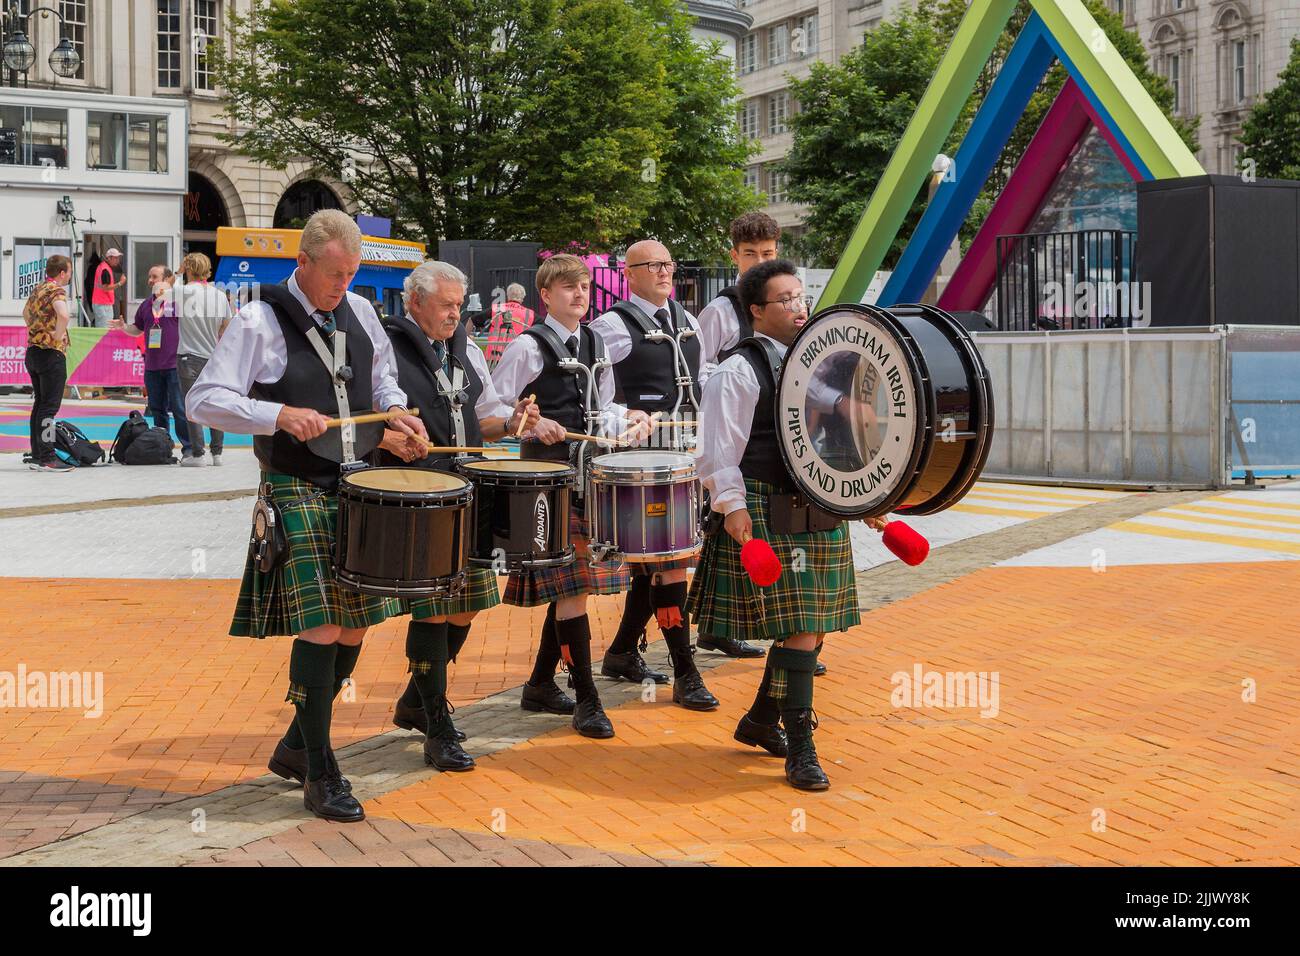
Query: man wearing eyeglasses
[(647, 369)]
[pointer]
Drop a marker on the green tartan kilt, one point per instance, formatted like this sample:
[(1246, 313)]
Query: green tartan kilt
[(479, 594), (302, 593), (532, 588), (815, 593)]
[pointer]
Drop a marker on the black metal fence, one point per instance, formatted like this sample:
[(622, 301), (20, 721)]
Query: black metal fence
[(1069, 280), (693, 287)]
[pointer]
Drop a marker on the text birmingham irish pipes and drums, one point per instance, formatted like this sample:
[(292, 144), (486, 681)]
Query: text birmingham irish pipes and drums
[(866, 339)]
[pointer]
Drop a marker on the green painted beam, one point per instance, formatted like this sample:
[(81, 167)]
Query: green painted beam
[(1118, 88), (958, 71)]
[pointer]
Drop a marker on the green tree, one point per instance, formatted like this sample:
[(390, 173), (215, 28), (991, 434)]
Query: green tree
[(1271, 133), (699, 180), (486, 119)]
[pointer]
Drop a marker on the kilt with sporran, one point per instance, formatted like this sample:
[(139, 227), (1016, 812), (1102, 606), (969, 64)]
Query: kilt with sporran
[(544, 585), (815, 593), (301, 593), (479, 593)]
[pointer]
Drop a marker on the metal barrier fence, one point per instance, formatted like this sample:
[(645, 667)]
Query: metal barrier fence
[(1126, 406), (1068, 280), (1263, 420)]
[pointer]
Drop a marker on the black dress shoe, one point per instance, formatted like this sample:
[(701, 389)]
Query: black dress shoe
[(630, 666), (547, 698), (690, 692), (589, 719), (729, 646), (802, 770), (328, 799), (768, 736), (412, 718), (445, 753), (292, 764), (819, 669)]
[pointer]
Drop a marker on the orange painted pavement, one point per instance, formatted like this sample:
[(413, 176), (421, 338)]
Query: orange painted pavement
[(1122, 738), (189, 709)]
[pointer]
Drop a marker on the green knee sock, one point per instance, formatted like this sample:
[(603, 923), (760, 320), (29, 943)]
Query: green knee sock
[(345, 660), (792, 676), (311, 689), (426, 648)]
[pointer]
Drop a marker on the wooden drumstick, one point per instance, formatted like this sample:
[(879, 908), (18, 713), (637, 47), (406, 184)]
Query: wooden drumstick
[(373, 417), (578, 436), (689, 424), (654, 419), (524, 418)]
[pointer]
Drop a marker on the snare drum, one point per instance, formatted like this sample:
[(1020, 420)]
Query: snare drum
[(521, 513), (645, 506), (402, 532)]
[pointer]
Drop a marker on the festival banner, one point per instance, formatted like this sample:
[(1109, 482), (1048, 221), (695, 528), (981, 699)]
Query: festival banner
[(99, 357)]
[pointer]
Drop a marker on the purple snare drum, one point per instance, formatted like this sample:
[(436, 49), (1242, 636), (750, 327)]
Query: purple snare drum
[(644, 505)]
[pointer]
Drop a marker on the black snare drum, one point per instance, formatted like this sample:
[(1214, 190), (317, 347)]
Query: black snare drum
[(521, 513), (884, 410), (402, 532)]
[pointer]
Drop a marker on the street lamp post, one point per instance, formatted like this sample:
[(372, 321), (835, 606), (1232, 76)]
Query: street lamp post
[(19, 55)]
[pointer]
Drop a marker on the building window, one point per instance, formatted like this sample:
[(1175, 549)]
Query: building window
[(1175, 80), (74, 28), (145, 253), (207, 18), (748, 53), (804, 40), (130, 141), (749, 117), (169, 44), (30, 256), (778, 105), (33, 136), (778, 44), (776, 185), (752, 177), (1239, 71)]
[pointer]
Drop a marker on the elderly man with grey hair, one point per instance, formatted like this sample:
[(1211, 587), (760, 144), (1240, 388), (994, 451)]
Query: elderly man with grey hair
[(445, 376), (305, 351)]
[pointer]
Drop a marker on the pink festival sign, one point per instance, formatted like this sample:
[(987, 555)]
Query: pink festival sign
[(95, 357)]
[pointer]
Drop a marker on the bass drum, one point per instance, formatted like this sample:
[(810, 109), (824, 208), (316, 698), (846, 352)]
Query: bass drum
[(884, 410)]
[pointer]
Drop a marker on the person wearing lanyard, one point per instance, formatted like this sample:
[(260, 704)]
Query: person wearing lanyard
[(155, 319)]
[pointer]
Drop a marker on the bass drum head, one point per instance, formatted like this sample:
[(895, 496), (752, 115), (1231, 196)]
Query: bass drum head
[(853, 412), (963, 408)]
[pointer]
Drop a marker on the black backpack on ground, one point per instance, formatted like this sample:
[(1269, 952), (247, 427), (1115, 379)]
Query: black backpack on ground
[(72, 446), (138, 444)]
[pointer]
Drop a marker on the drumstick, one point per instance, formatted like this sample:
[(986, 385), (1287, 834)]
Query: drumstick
[(687, 424), (373, 417), (523, 418), (653, 421), (578, 436)]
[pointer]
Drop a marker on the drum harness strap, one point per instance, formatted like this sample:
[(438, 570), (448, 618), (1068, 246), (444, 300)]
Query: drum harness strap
[(653, 333), (567, 363)]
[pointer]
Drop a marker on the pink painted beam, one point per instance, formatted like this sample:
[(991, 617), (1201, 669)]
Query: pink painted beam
[(1066, 123)]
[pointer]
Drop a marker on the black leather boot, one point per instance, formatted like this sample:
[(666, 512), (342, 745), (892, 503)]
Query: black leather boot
[(768, 736), (441, 748), (328, 799), (546, 698), (412, 718), (688, 689), (589, 719), (292, 764), (729, 646), (630, 666), (801, 767), (819, 670)]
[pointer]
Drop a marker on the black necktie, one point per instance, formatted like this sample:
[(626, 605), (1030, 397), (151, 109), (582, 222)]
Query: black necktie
[(573, 345), (662, 316), (440, 350)]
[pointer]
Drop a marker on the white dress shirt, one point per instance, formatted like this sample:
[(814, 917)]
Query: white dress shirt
[(522, 362), (719, 331), (489, 404), (252, 349), (726, 417), (618, 338)]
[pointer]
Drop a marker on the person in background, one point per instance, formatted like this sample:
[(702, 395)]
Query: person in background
[(104, 297), (508, 320), (204, 314), (155, 320), (46, 315)]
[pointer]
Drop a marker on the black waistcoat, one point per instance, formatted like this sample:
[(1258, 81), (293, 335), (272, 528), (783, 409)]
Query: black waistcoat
[(651, 367), (762, 460), (306, 383), (416, 363), (557, 391)]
